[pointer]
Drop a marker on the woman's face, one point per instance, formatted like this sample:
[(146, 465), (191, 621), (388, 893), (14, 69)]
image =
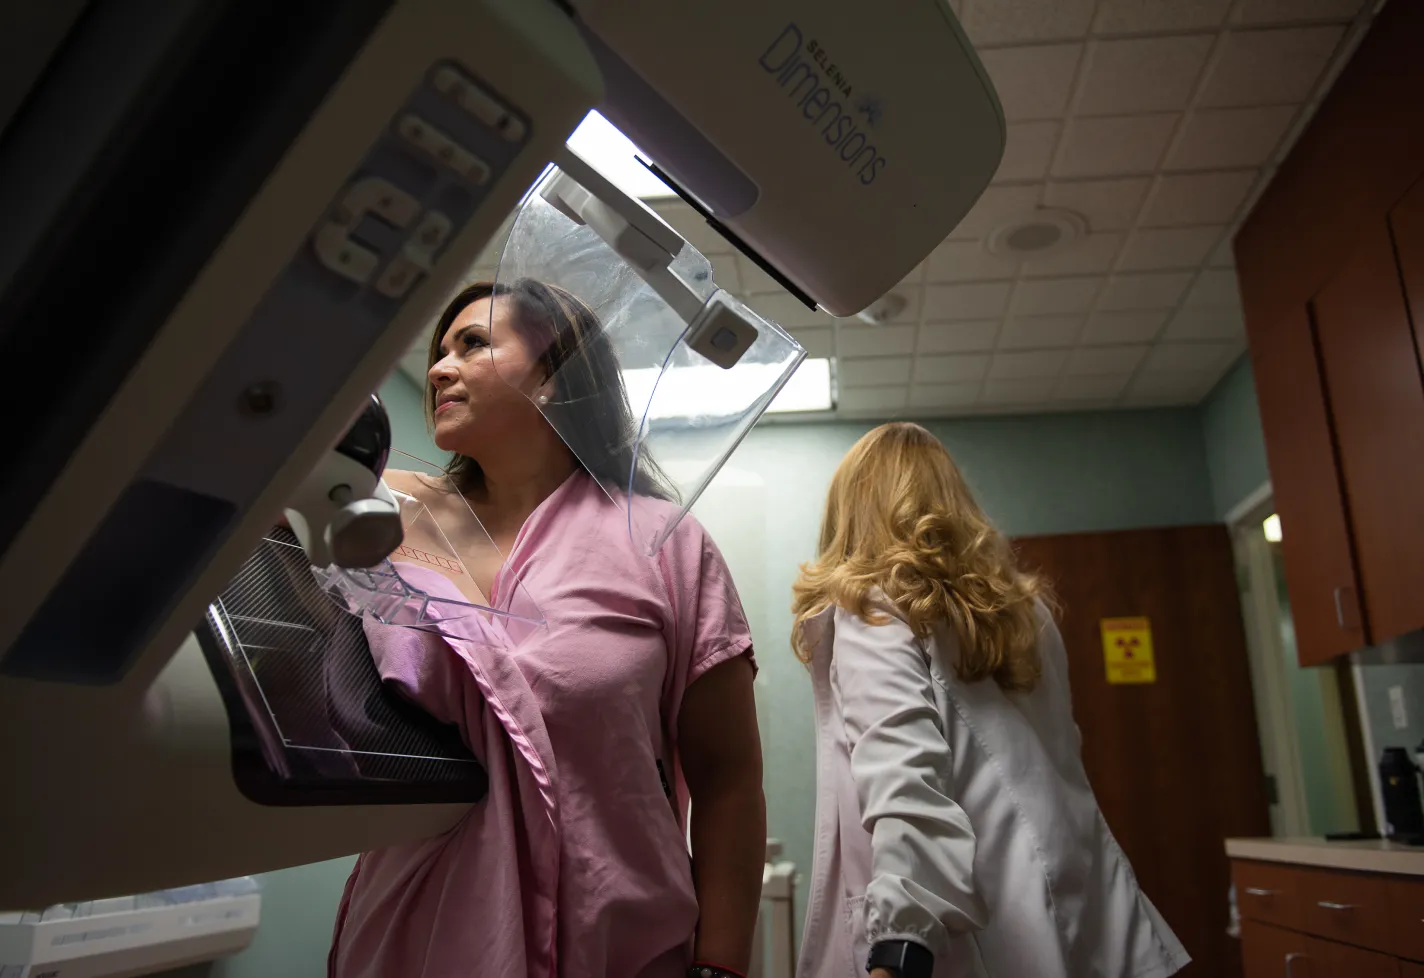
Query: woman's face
[(484, 383)]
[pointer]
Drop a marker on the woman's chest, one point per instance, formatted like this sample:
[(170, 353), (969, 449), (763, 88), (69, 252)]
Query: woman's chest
[(603, 651)]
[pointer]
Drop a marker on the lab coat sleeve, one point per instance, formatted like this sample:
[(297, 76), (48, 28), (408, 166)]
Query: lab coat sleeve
[(922, 845)]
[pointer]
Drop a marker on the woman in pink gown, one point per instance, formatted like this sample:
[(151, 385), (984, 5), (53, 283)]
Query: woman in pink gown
[(598, 730)]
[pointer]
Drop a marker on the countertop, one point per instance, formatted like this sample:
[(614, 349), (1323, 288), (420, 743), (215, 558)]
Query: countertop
[(1367, 856)]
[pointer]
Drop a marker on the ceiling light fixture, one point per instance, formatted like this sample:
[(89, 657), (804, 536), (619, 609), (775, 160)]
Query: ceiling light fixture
[(1039, 234), (883, 309), (694, 389)]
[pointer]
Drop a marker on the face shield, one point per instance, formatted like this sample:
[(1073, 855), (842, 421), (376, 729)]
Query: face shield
[(648, 371)]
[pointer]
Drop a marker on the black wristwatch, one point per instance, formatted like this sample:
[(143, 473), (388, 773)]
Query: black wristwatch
[(903, 959)]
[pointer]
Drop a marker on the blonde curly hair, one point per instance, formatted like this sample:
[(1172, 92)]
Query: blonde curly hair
[(900, 517)]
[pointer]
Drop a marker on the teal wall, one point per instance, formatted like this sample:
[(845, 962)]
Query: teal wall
[(1235, 445)]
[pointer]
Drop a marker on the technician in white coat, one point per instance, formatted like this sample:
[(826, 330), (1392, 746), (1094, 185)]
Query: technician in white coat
[(956, 834)]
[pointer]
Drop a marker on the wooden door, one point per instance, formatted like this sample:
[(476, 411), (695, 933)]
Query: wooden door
[(1331, 959), (1406, 222), (1176, 765), (1273, 952), (1376, 397)]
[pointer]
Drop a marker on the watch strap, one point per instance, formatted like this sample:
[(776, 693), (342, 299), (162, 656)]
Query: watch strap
[(904, 959)]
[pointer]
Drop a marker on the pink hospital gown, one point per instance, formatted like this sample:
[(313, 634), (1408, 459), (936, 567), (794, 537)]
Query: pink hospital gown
[(626, 635)]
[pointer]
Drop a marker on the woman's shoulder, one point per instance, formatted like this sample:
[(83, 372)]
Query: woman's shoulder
[(408, 482)]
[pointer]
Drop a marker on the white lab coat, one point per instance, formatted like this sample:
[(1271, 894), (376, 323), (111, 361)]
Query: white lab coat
[(960, 817)]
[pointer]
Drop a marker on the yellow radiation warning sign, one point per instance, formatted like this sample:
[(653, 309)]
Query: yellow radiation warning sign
[(1127, 650)]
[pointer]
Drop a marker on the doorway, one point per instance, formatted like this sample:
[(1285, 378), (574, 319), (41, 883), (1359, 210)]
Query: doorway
[(1302, 714)]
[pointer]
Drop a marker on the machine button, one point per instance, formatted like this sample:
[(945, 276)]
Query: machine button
[(431, 233), (478, 103), (346, 258), (399, 276), (380, 197), (433, 142)]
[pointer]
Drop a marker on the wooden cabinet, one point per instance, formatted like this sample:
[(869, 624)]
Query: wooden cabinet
[(1305, 922), (1274, 952), (1331, 264)]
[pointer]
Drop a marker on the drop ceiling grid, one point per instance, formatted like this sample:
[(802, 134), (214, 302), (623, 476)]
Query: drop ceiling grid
[(1152, 381)]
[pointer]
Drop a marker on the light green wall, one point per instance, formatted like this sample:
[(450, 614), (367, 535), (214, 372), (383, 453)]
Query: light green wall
[(1235, 445)]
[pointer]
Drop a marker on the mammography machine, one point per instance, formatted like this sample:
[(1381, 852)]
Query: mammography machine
[(225, 221)]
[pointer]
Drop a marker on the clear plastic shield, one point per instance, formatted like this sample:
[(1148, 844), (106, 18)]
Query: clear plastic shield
[(430, 581), (648, 371)]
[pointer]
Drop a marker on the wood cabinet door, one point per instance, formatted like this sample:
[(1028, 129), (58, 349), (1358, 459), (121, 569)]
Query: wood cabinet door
[(1329, 959), (1406, 221), (1376, 400), (1273, 952)]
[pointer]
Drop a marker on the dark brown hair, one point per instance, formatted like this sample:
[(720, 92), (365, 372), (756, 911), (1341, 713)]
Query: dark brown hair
[(588, 400)]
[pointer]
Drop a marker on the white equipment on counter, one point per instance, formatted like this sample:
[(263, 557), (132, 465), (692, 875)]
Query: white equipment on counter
[(224, 224), (774, 943), (134, 935)]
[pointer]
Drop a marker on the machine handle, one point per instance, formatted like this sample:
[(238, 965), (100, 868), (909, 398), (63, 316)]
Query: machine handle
[(1327, 905), (1256, 891), (1291, 959)]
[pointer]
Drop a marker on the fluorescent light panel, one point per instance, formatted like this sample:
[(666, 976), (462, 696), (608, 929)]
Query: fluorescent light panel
[(703, 391), (612, 154)]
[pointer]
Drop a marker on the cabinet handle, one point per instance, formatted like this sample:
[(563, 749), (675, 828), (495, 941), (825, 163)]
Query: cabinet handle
[(1256, 891), (1327, 905), (1340, 594), (1291, 959)]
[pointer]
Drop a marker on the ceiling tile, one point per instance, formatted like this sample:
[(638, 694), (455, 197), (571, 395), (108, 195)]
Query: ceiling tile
[(787, 312), (1214, 139), (874, 341), (1298, 11), (958, 337), (1162, 248), (1114, 146), (1028, 149), (754, 280), (953, 369), (1197, 198), (1214, 288), (1034, 332), (1109, 205), (996, 205), (1156, 387), (1154, 291), (1087, 361), (975, 300), (1148, 16), (1017, 21), (872, 371), (1094, 253), (1017, 391), (1191, 357), (1206, 324), (692, 226), (864, 399), (945, 395), (1145, 74), (725, 272), (960, 261), (1029, 363), (1224, 256), (1123, 327), (1269, 67), (1091, 387), (820, 344), (1055, 296), (1033, 82)]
